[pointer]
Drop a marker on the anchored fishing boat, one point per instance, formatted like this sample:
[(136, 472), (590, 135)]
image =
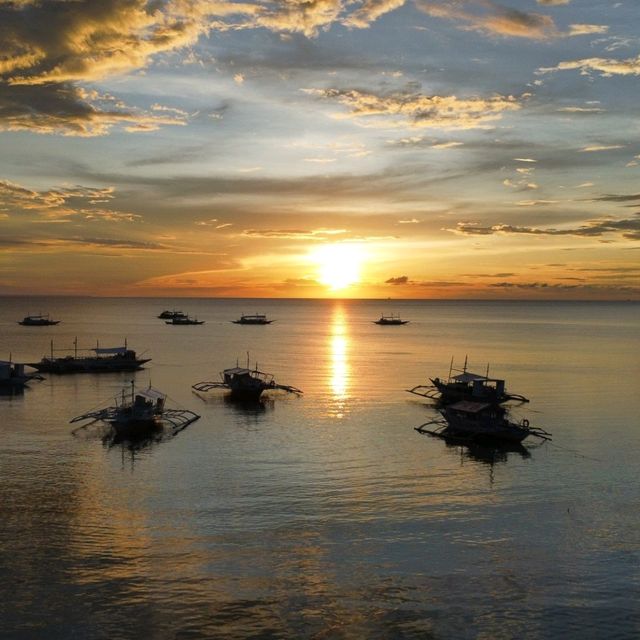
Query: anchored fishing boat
[(13, 377), (103, 360), (256, 318), (466, 386), (138, 413), (169, 315), (245, 383), (38, 320), (183, 319), (390, 320), (478, 421)]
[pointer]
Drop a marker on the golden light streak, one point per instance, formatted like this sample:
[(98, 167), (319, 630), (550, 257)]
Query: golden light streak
[(340, 368)]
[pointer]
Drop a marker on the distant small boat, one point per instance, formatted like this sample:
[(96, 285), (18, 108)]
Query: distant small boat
[(256, 318), (13, 377), (38, 320), (390, 320), (245, 383), (466, 386), (183, 319), (480, 421), (138, 413), (168, 315), (103, 360)]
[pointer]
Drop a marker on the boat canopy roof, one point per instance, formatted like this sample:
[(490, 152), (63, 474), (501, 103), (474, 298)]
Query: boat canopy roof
[(467, 406), (106, 350), (151, 393), (237, 371), (467, 376), (243, 371)]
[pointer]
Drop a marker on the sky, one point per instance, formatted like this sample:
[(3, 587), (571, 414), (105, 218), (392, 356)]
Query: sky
[(323, 148)]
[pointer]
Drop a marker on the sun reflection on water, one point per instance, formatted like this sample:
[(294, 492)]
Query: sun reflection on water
[(340, 369)]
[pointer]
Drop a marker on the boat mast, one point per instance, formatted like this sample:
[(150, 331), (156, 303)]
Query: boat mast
[(75, 347), (450, 368), (52, 349)]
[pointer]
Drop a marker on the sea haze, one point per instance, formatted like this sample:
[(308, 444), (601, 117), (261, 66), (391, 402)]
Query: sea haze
[(325, 515)]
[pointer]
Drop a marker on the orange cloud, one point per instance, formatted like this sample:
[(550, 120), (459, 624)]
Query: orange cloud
[(491, 18), (408, 109)]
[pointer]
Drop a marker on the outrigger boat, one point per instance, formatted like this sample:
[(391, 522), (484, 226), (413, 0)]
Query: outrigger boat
[(183, 319), (480, 421), (169, 315), (103, 360), (245, 383), (256, 318), (38, 320), (390, 320), (138, 413), (466, 386), (13, 377)]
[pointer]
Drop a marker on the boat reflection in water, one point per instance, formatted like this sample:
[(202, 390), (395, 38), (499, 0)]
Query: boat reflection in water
[(340, 368), (488, 453)]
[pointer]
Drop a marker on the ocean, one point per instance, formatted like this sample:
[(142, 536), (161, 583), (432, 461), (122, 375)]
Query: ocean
[(324, 515)]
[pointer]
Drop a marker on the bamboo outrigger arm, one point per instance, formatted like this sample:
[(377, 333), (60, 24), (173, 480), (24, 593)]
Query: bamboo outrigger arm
[(179, 418), (515, 396), (425, 391), (288, 388), (207, 386)]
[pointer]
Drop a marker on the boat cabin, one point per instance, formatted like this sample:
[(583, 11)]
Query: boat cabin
[(479, 386)]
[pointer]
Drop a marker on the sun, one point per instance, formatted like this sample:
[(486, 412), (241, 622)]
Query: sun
[(339, 264)]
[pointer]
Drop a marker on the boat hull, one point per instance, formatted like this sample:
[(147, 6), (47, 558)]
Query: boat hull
[(78, 365)]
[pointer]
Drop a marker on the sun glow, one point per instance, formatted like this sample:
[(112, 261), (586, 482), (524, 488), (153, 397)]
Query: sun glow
[(339, 264)]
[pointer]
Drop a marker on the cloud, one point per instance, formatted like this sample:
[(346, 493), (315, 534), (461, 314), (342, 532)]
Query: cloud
[(553, 3), (611, 197), (535, 203), (410, 109), (369, 11), (447, 145), (629, 227), (581, 110), (601, 147), (586, 29), (293, 234), (61, 202), (562, 286), (68, 110), (47, 47), (606, 66), (80, 241), (398, 280), (491, 18)]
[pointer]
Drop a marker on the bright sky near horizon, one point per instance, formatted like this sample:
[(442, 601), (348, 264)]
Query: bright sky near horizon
[(374, 148)]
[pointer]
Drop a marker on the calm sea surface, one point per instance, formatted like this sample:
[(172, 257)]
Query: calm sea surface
[(326, 515)]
